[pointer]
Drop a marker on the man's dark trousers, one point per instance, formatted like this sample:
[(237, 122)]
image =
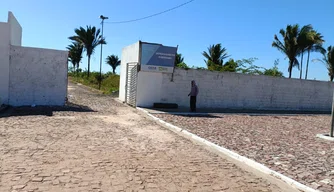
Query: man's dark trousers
[(193, 103)]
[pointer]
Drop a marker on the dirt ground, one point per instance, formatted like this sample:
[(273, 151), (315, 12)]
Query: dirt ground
[(98, 144)]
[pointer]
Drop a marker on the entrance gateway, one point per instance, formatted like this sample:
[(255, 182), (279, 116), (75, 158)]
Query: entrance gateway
[(131, 83), (139, 62)]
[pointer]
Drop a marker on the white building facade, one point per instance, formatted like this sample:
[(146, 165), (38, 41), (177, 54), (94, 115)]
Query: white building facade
[(142, 67)]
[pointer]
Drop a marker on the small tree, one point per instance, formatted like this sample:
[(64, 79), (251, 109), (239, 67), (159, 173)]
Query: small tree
[(230, 66), (246, 66), (178, 59), (215, 56), (114, 62), (75, 54), (274, 70), (182, 65)]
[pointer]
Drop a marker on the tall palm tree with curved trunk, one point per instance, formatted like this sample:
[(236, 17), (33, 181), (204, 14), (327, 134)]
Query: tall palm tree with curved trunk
[(315, 41), (289, 46), (328, 60), (114, 62), (302, 42), (215, 55), (75, 54), (89, 38)]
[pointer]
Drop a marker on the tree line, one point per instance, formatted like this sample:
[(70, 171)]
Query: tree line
[(86, 40), (214, 59), (295, 42)]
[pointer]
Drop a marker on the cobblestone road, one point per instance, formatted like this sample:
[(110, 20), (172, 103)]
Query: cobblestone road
[(109, 148), (284, 143)]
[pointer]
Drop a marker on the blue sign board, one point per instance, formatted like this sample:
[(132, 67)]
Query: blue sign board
[(157, 58)]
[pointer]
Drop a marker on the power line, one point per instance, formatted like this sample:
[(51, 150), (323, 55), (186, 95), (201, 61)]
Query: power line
[(133, 20)]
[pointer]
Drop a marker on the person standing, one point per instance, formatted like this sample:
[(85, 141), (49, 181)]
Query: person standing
[(193, 94)]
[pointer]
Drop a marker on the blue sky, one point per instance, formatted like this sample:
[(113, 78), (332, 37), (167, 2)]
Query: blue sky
[(245, 27)]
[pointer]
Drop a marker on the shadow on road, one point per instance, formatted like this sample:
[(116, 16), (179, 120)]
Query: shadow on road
[(251, 112), (43, 110), (198, 115)]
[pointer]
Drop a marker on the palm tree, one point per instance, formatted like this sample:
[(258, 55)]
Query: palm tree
[(328, 60), (71, 59), (289, 46), (315, 41), (113, 61), (75, 54), (178, 59), (302, 42), (215, 55), (89, 38)]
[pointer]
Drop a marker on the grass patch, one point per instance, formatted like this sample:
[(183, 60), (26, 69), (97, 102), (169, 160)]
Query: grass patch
[(109, 84)]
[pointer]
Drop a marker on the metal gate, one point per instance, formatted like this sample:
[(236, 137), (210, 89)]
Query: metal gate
[(131, 83)]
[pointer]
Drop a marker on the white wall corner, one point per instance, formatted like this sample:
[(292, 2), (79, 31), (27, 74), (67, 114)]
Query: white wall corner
[(4, 62), (15, 30)]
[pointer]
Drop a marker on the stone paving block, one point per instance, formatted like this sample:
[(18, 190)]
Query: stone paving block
[(98, 144)]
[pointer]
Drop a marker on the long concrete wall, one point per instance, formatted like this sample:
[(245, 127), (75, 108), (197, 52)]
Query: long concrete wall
[(240, 91), (37, 76), (4, 62)]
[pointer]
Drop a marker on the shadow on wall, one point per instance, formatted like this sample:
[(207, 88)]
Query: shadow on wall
[(44, 110)]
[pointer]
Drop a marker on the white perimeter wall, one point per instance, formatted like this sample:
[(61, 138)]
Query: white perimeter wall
[(37, 76), (4, 62), (129, 54), (15, 30), (232, 90)]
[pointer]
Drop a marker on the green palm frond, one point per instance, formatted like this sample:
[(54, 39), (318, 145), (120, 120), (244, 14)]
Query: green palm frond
[(75, 53), (289, 45), (178, 59), (113, 61), (90, 38), (215, 54), (328, 61)]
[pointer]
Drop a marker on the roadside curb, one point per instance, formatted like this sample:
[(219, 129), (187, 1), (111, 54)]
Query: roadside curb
[(325, 136), (245, 160)]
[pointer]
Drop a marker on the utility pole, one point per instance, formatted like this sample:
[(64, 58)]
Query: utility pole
[(332, 123), (102, 18)]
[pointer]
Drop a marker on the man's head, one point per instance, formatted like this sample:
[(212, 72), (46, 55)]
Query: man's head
[(193, 83)]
